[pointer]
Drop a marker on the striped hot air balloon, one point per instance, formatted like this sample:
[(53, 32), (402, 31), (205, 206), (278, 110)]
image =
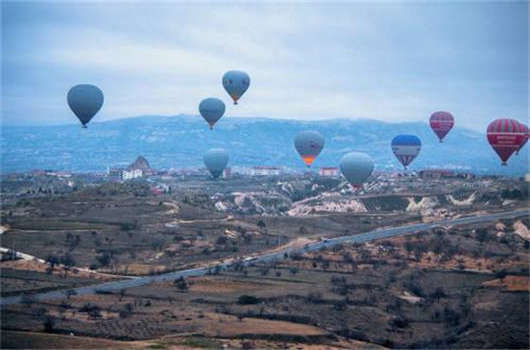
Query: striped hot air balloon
[(441, 123), (525, 130), (406, 148), (505, 136)]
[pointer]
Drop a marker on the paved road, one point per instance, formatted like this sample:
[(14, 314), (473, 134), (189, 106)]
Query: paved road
[(358, 238)]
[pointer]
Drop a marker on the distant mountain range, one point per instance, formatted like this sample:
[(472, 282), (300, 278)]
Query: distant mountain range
[(180, 141)]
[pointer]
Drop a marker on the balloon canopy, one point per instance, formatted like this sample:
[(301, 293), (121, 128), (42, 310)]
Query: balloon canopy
[(525, 140), (211, 109), (309, 144), (216, 160), (236, 83), (356, 167), (441, 123), (505, 136), (406, 148), (85, 101)]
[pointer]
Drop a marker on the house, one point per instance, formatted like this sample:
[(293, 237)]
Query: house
[(121, 174), (329, 171), (265, 171)]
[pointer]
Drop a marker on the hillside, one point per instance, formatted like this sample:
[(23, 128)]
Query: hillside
[(180, 141)]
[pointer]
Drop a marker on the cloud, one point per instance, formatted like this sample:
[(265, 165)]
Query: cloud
[(308, 61)]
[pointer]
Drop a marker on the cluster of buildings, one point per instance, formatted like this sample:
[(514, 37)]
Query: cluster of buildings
[(139, 168)]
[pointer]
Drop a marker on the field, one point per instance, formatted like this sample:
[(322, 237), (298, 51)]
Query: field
[(456, 287)]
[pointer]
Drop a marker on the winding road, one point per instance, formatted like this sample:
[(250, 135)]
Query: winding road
[(357, 238)]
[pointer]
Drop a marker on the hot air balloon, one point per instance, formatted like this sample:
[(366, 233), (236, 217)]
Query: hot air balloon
[(441, 122), (356, 167), (505, 136), (406, 148), (212, 109), (85, 101), (216, 160), (525, 131), (236, 83), (309, 144)]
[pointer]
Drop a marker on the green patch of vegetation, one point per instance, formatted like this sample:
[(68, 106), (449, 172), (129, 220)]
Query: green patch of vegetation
[(200, 342)]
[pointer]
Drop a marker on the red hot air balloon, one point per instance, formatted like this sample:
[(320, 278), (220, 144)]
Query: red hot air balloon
[(505, 136), (525, 131), (441, 123)]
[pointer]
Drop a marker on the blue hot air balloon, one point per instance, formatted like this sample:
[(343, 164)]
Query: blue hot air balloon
[(85, 101), (308, 144), (236, 83), (216, 160), (356, 167), (406, 148), (212, 109)]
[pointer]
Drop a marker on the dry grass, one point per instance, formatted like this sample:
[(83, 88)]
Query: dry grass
[(221, 285), (510, 283), (33, 340), (221, 325), (34, 265)]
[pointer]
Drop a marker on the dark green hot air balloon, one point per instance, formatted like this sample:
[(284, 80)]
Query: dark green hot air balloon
[(216, 160), (356, 167), (85, 101), (212, 109)]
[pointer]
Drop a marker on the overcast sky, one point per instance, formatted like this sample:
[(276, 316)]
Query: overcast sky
[(392, 61)]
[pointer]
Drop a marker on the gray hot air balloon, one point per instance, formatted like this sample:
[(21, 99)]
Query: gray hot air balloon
[(212, 109), (308, 144), (236, 83), (356, 167), (216, 160), (85, 101)]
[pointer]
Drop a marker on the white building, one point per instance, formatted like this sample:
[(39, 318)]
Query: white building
[(265, 171), (329, 171), (131, 174), (124, 174)]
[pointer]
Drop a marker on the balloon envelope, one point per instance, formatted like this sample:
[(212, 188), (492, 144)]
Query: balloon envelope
[(525, 140), (505, 136), (356, 167), (309, 144), (85, 101), (441, 123), (216, 160), (406, 148), (236, 83), (211, 109)]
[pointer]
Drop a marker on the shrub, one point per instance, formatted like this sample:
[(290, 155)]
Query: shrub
[(181, 284), (399, 322), (247, 300), (49, 324)]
